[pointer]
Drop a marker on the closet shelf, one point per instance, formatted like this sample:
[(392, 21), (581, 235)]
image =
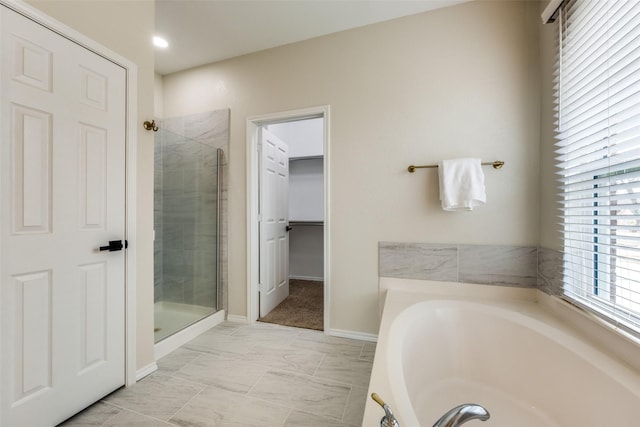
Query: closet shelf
[(318, 157), (306, 223)]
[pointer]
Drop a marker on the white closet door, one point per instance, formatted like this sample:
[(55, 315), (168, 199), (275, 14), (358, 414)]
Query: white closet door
[(274, 220), (62, 177)]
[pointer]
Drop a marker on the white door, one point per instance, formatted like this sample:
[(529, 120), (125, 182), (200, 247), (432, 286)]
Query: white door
[(62, 181), (274, 220)]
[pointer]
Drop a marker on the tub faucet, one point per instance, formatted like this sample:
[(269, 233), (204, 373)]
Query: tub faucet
[(461, 414), (388, 420)]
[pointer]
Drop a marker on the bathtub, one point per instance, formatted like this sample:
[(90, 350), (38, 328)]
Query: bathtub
[(515, 351)]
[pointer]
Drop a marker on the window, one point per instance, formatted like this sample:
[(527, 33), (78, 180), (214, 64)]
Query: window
[(598, 95)]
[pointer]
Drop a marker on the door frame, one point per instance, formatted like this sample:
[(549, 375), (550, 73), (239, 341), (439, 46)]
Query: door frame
[(253, 174), (131, 135)]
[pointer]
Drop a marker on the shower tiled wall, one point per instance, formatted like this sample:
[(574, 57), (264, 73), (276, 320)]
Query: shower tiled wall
[(522, 266), (188, 254)]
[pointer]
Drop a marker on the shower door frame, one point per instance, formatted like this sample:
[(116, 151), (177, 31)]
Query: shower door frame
[(253, 173), (162, 348)]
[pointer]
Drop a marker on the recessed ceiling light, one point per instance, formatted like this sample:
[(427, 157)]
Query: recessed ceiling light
[(160, 42)]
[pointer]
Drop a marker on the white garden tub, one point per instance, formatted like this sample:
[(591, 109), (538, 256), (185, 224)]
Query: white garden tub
[(502, 348)]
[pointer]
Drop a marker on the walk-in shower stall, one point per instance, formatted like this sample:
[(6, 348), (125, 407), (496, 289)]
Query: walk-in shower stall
[(187, 230)]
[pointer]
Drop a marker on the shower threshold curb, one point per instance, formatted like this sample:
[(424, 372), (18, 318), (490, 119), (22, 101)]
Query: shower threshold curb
[(182, 337)]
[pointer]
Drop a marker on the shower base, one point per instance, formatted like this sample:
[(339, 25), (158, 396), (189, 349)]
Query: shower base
[(171, 317)]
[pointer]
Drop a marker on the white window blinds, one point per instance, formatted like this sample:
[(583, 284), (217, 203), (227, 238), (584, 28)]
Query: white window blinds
[(598, 148)]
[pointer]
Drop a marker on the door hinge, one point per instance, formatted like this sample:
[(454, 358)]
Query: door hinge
[(260, 287)]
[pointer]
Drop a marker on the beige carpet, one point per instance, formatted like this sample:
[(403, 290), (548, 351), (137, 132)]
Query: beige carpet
[(303, 308)]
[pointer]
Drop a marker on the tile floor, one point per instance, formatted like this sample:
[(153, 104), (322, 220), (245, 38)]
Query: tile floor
[(241, 375)]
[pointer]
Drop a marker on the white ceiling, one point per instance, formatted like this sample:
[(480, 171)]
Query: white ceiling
[(204, 31)]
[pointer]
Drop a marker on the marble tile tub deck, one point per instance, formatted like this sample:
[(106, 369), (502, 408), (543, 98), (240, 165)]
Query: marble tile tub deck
[(242, 375)]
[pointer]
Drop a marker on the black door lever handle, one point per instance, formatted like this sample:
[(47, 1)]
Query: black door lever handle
[(114, 245)]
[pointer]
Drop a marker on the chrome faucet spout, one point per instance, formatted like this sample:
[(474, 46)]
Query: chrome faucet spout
[(461, 414)]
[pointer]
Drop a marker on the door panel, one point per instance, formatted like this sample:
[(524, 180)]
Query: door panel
[(274, 214), (92, 177), (31, 147), (62, 176), (93, 88), (92, 316), (33, 333), (32, 64)]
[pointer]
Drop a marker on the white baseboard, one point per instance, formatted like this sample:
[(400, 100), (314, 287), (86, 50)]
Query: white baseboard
[(147, 370), (237, 319), (362, 336), (178, 339), (316, 279)]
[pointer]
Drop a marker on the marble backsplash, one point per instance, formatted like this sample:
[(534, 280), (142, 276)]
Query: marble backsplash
[(550, 271), (522, 266)]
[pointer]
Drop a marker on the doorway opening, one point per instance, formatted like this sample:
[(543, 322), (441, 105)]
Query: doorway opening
[(288, 221)]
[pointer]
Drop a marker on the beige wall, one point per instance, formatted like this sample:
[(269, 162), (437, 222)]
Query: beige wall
[(158, 96), (457, 82), (126, 27)]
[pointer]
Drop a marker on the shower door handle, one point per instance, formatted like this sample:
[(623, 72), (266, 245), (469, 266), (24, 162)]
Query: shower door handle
[(114, 245)]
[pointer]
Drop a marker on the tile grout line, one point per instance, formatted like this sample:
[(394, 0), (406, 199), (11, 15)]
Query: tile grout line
[(256, 383), (186, 380), (111, 417), (202, 387), (284, 422), (187, 402), (313, 377), (123, 409), (346, 403), (113, 404), (315, 371), (268, 402)]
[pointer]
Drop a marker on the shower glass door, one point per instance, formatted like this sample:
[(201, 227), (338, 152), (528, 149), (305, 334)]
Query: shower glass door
[(186, 232)]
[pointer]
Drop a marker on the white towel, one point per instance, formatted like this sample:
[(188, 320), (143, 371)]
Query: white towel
[(461, 184)]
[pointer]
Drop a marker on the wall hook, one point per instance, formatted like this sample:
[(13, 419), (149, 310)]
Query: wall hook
[(150, 125)]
